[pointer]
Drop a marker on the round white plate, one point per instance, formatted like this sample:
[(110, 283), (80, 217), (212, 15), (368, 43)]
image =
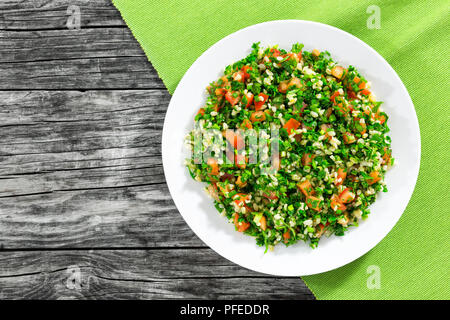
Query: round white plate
[(197, 208)]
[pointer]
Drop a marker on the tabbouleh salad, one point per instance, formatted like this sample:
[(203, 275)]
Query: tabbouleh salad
[(333, 147)]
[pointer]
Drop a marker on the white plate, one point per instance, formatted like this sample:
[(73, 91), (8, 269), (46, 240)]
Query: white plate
[(197, 208)]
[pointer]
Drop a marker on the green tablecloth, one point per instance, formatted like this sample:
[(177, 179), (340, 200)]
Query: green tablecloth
[(412, 262)]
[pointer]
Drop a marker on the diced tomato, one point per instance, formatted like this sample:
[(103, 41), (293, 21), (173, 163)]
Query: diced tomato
[(214, 166), (362, 85), (240, 226), (220, 91), (370, 114), (375, 176), (307, 159), (341, 175), (240, 161), (201, 111), (240, 199), (294, 56), (263, 223), (234, 138), (347, 196), (286, 236), (239, 142), (344, 221), (381, 118), (249, 97), (247, 124), (224, 188), (239, 76), (295, 82), (286, 84), (337, 72), (283, 86), (246, 74), (336, 203), (258, 116), (365, 92), (306, 188), (260, 100), (333, 96), (240, 183), (348, 137), (315, 53), (275, 52), (313, 203), (231, 98), (291, 124), (224, 81)]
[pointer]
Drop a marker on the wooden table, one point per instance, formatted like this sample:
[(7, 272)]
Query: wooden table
[(84, 208)]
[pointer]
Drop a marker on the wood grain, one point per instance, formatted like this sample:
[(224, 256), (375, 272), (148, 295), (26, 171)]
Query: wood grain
[(106, 58), (77, 140), (52, 14), (84, 169), (85, 212), (149, 274)]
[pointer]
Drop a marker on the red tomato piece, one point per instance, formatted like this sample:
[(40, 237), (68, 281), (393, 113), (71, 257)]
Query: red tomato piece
[(291, 124), (341, 175), (336, 203), (306, 188), (347, 196), (232, 97), (240, 226), (260, 100)]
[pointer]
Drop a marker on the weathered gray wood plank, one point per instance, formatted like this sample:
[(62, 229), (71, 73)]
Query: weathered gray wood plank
[(137, 274), (131, 217), (51, 56), (76, 140), (106, 58), (83, 169), (45, 14), (35, 46)]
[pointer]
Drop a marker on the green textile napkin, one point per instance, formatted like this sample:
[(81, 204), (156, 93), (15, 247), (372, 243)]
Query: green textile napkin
[(412, 262)]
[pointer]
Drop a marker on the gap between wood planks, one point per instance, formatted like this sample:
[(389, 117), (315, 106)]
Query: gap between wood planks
[(137, 274), (106, 225)]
